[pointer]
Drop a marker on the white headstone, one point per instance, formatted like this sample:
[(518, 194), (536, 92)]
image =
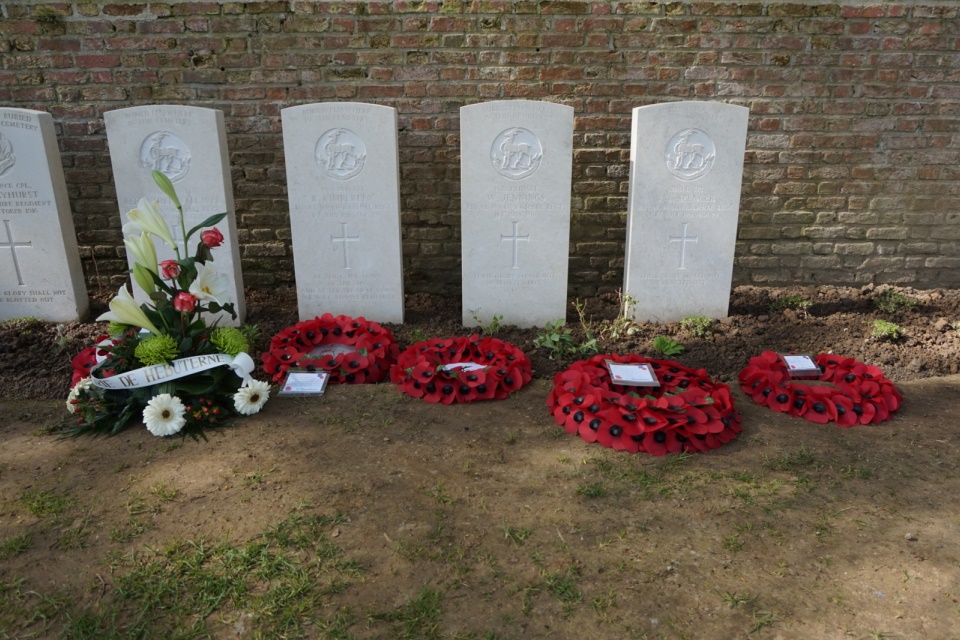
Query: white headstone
[(40, 271), (344, 189), (515, 172), (686, 167), (189, 146)]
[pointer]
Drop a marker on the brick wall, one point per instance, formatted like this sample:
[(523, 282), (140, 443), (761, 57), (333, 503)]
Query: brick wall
[(853, 157)]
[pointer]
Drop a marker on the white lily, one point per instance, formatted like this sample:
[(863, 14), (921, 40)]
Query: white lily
[(146, 218), (143, 250), (125, 310), (211, 285), (145, 260)]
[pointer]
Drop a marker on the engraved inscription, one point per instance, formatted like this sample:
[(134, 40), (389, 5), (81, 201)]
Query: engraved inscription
[(330, 288), (345, 240), (686, 202), (165, 152), (514, 279), (340, 154), (20, 198), (515, 238), (7, 157), (679, 279), (683, 239), (514, 201), (690, 154), (516, 153), (13, 245)]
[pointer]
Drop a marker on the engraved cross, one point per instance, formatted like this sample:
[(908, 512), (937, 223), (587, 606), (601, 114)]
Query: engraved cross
[(344, 239), (12, 245), (515, 239), (683, 239)]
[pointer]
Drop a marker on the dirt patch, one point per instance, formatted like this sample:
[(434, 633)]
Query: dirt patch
[(367, 514)]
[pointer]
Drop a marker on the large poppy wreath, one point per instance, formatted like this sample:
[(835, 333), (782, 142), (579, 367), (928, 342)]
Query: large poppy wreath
[(688, 412), (461, 369), (861, 394), (352, 350)]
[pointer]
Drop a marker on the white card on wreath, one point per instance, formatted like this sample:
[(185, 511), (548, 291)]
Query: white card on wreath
[(304, 383), (634, 375), (462, 366), (800, 366)]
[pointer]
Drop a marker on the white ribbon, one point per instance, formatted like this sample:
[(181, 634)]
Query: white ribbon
[(242, 365)]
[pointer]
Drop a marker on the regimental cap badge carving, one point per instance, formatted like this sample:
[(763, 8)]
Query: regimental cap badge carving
[(690, 154), (340, 154), (516, 153), (7, 157), (165, 152)]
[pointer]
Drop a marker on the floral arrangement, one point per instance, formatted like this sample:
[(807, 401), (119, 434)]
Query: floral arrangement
[(351, 350), (161, 359), (860, 395), (460, 370), (688, 412)]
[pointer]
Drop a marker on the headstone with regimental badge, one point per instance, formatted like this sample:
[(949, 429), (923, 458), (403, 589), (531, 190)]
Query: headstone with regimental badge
[(40, 271), (189, 146), (686, 168), (344, 190), (515, 178)]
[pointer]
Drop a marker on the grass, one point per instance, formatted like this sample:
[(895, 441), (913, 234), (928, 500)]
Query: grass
[(15, 545), (516, 535), (592, 490), (417, 619), (44, 503)]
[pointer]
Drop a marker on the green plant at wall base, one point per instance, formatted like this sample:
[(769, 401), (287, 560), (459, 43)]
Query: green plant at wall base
[(795, 302), (490, 329), (890, 301), (698, 326), (955, 326), (886, 331), (667, 346), (557, 339), (622, 325)]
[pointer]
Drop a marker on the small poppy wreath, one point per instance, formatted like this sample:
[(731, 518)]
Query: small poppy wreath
[(493, 370), (352, 350), (688, 412), (861, 395)]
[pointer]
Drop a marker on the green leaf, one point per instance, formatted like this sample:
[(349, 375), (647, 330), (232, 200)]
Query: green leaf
[(209, 222), (167, 187)]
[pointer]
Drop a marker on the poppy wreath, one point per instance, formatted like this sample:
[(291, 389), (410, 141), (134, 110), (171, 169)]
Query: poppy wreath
[(861, 395), (688, 412), (366, 350), (420, 373)]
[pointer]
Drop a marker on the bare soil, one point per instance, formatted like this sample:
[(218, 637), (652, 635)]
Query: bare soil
[(507, 525)]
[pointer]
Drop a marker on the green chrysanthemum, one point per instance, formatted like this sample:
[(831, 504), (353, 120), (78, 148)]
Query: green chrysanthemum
[(229, 340), (159, 349)]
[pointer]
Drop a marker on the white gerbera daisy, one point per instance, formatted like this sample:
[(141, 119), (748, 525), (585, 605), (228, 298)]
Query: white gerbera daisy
[(74, 396), (164, 415), (251, 397)]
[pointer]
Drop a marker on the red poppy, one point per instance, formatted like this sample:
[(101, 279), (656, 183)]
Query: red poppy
[(504, 368), (845, 415), (353, 339), (861, 396), (83, 363), (630, 418)]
